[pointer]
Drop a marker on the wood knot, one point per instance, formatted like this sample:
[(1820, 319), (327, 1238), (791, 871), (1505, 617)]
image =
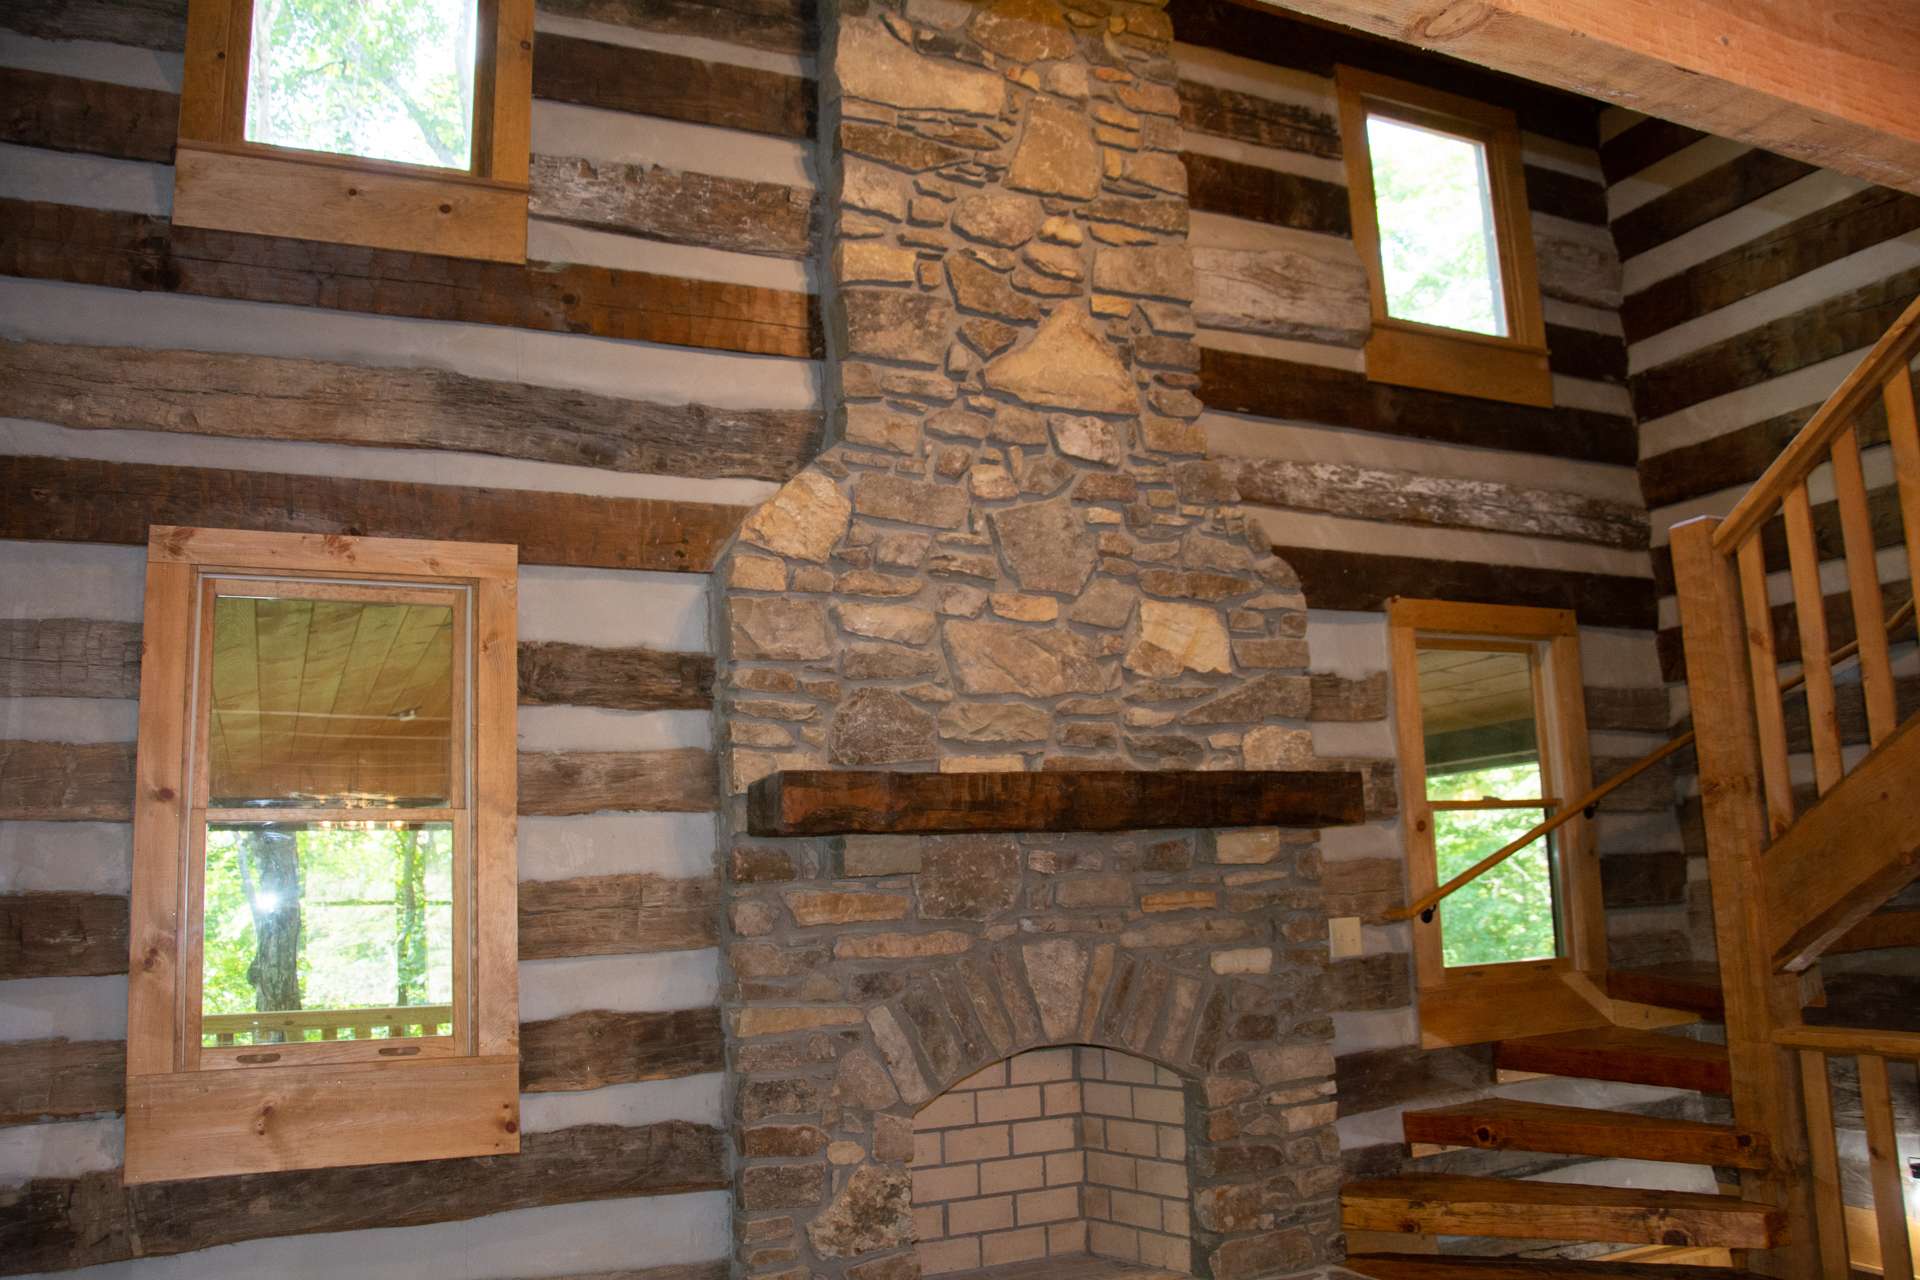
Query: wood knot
[(1450, 22)]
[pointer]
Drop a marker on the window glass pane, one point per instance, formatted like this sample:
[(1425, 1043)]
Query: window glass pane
[(1434, 203), (1476, 707), (326, 703), (327, 931), (384, 79), (1508, 913)]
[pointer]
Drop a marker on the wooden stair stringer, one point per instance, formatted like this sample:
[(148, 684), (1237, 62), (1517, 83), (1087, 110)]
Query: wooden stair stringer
[(1447, 1204), (1621, 1055), (1509, 1124)]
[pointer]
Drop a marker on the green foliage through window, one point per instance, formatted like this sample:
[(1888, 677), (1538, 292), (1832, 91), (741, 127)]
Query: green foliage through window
[(383, 79), (1434, 206), (1507, 915)]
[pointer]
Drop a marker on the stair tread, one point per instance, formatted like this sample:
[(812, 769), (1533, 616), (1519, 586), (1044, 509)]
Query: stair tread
[(1620, 1054), (1689, 986), (1416, 1266), (1459, 1204), (1514, 1124)]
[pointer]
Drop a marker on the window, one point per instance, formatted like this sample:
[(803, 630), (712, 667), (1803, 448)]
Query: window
[(1490, 711), (324, 906), (401, 124), (1440, 219)]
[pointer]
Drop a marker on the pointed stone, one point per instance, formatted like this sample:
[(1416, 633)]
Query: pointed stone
[(1046, 545), (1057, 155), (1024, 30), (1066, 366), (804, 520), (870, 63)]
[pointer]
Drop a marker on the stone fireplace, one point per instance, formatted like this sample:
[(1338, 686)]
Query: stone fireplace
[(1015, 556)]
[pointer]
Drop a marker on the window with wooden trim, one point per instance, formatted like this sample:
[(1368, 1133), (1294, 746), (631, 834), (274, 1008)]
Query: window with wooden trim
[(1490, 714), (324, 905), (401, 124), (1440, 220)]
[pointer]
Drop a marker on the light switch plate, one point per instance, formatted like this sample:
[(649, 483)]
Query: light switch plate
[(1343, 937)]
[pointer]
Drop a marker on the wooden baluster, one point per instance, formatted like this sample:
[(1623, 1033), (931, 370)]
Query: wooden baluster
[(1863, 584), (1903, 433), (1803, 559), (1889, 1202), (1770, 720), (1829, 1207)]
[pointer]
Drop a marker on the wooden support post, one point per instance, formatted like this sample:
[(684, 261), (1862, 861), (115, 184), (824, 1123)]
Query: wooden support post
[(1766, 1086)]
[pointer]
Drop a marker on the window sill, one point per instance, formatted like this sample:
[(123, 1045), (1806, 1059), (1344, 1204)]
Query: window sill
[(1466, 364), (345, 201)]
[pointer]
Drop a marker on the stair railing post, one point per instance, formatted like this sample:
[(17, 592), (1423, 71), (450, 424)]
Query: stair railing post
[(1766, 1085)]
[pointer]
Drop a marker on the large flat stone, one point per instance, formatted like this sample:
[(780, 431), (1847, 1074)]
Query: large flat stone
[(968, 877), (1004, 657), (776, 628), (871, 63), (1067, 365), (1046, 545), (879, 726), (894, 324), (804, 520), (1057, 155), (1179, 637)]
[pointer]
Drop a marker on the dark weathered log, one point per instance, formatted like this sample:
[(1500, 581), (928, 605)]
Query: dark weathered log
[(1566, 195), (1284, 389), (1264, 122), (75, 500), (672, 86), (1365, 887), (1849, 322), (1586, 353), (1810, 241), (829, 802), (1379, 1078), (54, 1224), (556, 674), (65, 113), (1738, 182), (149, 24), (1650, 792), (280, 398), (1363, 582), (1640, 145), (1342, 698), (1643, 879), (616, 915), (65, 781), (783, 26), (1260, 194), (45, 935), (1403, 497), (1735, 458), (678, 780), (1368, 983), (81, 658), (1629, 710), (735, 214), (68, 657), (1883, 519), (598, 1048), (139, 251), (61, 1079)]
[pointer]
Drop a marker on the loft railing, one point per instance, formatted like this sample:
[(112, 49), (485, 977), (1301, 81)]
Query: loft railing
[(290, 1026)]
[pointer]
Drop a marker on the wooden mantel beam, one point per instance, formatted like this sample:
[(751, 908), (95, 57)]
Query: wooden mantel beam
[(1829, 84)]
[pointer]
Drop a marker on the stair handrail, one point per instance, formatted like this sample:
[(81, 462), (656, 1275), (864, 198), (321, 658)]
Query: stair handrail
[(1808, 449), (1424, 905)]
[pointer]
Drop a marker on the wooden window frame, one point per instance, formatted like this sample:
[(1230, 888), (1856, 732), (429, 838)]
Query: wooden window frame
[(195, 1113), (1408, 353), (1470, 1004), (223, 182)]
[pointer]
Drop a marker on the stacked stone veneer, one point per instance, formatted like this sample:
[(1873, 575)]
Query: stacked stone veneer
[(1014, 556), (1054, 1152)]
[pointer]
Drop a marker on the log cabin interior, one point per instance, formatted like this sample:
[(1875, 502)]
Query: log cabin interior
[(993, 639)]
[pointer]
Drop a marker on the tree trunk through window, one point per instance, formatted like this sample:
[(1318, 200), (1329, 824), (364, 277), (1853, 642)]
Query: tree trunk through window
[(270, 876)]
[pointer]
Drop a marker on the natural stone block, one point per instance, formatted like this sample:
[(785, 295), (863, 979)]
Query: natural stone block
[(879, 855), (990, 482), (873, 262), (1056, 971), (1247, 845), (757, 864), (903, 622), (1057, 155), (879, 427), (1046, 546), (782, 1186), (1178, 637), (872, 187), (1279, 1064), (897, 1049), (994, 657), (1195, 584), (1019, 608), (968, 877), (888, 662), (902, 946), (1271, 651), (860, 1081), (997, 218), (1242, 960), (1268, 697), (1159, 170), (897, 147), (1024, 30), (979, 288), (1179, 900), (983, 764), (894, 324), (1066, 366), (803, 520), (1273, 746), (1157, 271), (756, 573), (775, 628), (879, 726), (1086, 892), (994, 722), (1093, 439), (761, 1020), (872, 1212), (812, 907), (1107, 603), (870, 63), (774, 1140), (910, 501), (871, 582)]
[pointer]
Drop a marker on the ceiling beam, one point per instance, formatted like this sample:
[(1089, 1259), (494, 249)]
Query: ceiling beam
[(1832, 85)]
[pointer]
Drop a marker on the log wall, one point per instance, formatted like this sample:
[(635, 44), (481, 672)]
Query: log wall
[(613, 408)]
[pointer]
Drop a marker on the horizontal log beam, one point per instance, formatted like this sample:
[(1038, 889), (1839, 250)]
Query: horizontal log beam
[(253, 397), (1883, 520), (1260, 122), (120, 250), (1642, 145), (66, 113), (79, 500), (1446, 502), (671, 86), (1349, 698), (1363, 582), (1235, 382), (1645, 710), (1629, 880), (1560, 194), (85, 658), (56, 1224), (93, 781), (1733, 185), (1260, 194), (735, 214), (46, 1080), (62, 935), (1375, 1079), (1786, 630), (1369, 983), (831, 802)]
